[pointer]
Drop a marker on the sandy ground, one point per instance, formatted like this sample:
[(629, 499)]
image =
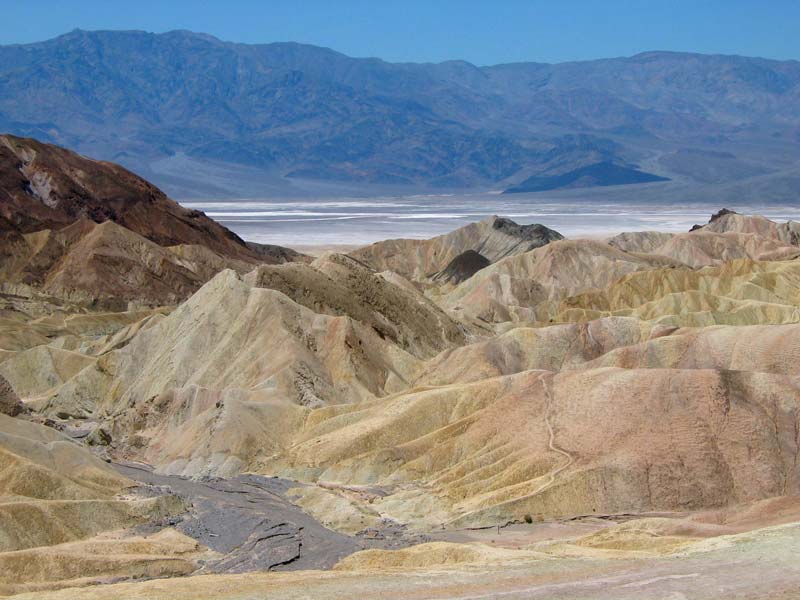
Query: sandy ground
[(521, 535), (316, 250), (762, 564)]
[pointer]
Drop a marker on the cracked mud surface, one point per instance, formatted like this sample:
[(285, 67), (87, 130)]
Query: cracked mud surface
[(249, 520)]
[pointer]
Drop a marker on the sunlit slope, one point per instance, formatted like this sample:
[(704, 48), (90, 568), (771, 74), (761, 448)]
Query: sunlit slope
[(55, 497), (740, 292), (575, 378), (717, 279), (583, 442)]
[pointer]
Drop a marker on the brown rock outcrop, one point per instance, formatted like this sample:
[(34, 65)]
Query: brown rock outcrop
[(47, 187), (81, 229), (10, 404)]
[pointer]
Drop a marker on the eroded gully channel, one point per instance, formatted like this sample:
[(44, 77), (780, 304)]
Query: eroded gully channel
[(251, 522)]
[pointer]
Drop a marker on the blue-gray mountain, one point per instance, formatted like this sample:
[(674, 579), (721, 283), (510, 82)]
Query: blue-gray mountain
[(598, 174), (199, 115)]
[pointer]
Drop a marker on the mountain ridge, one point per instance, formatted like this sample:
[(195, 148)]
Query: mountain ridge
[(297, 115), (214, 38)]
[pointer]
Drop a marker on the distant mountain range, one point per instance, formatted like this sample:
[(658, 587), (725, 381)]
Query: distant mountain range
[(203, 117)]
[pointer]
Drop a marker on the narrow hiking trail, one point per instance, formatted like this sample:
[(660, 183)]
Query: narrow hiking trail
[(551, 443)]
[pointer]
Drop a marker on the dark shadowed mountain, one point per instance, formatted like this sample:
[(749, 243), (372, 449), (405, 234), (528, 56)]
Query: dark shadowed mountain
[(596, 175), (205, 117)]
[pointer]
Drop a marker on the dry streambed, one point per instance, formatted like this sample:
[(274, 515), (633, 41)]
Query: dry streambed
[(251, 522)]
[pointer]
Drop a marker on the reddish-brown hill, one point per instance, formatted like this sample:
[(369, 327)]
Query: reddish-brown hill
[(43, 186)]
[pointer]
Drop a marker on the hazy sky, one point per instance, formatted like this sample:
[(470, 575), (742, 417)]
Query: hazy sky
[(483, 32)]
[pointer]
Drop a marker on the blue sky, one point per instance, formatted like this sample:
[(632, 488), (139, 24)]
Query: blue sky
[(486, 32)]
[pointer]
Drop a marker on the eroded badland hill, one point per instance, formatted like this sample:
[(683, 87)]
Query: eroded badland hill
[(584, 418)]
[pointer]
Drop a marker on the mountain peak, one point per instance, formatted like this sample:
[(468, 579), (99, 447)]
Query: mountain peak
[(301, 112)]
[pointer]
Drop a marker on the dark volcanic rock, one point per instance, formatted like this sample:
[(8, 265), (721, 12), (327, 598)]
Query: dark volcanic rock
[(717, 215), (538, 235), (462, 267), (721, 213), (10, 404)]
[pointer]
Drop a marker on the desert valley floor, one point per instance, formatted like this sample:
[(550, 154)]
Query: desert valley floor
[(494, 412)]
